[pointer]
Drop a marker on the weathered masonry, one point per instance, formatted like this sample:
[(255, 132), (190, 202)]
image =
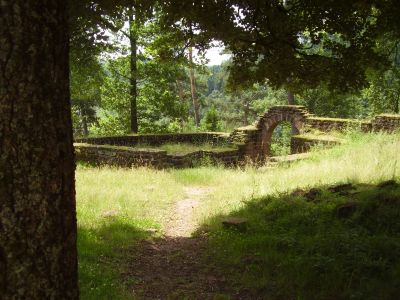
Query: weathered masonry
[(250, 142), (123, 150), (255, 141)]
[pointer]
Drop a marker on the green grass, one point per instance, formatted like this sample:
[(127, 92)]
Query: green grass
[(281, 137), (325, 137), (115, 208), (293, 249), (297, 249), (185, 148), (350, 121)]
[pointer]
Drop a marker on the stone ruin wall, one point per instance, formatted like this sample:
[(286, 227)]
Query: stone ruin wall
[(255, 140), (129, 157), (252, 142), (301, 144), (118, 151), (214, 138)]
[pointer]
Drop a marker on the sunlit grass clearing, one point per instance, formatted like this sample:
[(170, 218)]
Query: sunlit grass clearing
[(143, 198)]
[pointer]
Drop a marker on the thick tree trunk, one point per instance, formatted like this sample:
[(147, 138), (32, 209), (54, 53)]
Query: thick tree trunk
[(196, 104), (133, 77), (38, 256)]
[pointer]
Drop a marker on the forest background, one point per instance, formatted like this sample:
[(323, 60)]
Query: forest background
[(141, 77)]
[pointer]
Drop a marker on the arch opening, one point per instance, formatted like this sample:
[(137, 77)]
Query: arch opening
[(281, 138), (276, 135)]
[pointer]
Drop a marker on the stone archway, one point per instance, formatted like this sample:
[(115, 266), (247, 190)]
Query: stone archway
[(254, 141), (294, 114)]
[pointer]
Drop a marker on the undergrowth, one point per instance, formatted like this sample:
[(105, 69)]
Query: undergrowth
[(295, 248)]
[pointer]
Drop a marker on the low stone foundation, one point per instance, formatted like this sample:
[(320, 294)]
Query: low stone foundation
[(302, 144), (386, 122), (213, 138), (123, 156), (333, 124), (119, 155), (253, 142)]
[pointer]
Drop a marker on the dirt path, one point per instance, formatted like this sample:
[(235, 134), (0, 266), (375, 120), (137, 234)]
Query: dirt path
[(181, 223), (173, 267)]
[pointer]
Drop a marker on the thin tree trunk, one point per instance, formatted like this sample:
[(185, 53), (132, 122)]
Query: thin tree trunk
[(83, 110), (246, 114), (397, 104), (183, 99), (290, 97), (38, 256), (180, 91), (133, 75), (196, 104), (85, 126)]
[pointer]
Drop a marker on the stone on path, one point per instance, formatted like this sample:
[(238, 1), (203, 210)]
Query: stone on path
[(109, 214), (151, 230), (312, 194), (235, 223), (342, 188), (298, 193)]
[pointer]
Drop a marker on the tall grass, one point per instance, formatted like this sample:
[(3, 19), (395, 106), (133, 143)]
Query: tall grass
[(117, 207), (295, 248), (364, 158)]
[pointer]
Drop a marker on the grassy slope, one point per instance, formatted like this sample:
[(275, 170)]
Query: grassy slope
[(292, 249), (296, 249), (299, 249)]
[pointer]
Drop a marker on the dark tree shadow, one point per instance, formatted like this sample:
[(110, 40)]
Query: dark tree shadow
[(337, 242), (103, 255)]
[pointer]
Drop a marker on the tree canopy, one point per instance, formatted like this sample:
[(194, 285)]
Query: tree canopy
[(324, 52), (293, 43)]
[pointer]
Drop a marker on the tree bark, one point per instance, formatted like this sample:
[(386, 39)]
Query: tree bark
[(184, 100), (196, 104), (133, 75), (291, 100), (85, 126), (181, 93), (38, 256)]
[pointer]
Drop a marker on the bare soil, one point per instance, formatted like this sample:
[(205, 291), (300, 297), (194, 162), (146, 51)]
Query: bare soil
[(175, 266), (181, 222)]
